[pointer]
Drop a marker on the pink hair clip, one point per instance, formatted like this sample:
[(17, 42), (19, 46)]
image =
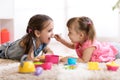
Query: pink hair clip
[(29, 30), (89, 23)]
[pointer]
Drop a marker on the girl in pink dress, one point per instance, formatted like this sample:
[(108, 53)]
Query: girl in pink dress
[(82, 35)]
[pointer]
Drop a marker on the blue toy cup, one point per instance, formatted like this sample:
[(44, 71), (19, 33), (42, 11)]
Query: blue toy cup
[(72, 61)]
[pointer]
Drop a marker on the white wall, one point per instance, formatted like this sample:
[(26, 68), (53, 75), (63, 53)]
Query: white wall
[(6, 9), (100, 11), (24, 9)]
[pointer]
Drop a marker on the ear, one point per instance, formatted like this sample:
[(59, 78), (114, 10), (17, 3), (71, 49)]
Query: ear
[(37, 33), (81, 34)]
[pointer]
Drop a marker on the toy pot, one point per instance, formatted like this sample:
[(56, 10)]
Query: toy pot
[(52, 58)]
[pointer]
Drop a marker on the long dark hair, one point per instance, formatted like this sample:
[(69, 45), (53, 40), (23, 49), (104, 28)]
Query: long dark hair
[(35, 23)]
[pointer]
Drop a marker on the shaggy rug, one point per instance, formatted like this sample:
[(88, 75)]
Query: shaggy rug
[(9, 71)]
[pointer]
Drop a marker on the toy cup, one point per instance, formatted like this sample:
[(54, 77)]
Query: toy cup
[(72, 61), (46, 65), (52, 58), (93, 66), (112, 66)]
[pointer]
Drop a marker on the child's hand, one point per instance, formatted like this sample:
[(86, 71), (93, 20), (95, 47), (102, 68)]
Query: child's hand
[(58, 37), (40, 58), (64, 59), (36, 60)]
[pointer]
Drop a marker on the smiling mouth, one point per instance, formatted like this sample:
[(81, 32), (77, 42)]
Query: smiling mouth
[(49, 38)]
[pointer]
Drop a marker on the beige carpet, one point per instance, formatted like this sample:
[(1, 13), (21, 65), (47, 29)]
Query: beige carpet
[(9, 71)]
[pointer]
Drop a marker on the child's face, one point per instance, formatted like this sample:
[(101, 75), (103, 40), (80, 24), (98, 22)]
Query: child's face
[(47, 33), (75, 36)]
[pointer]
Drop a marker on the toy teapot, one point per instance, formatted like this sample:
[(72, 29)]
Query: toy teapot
[(26, 67)]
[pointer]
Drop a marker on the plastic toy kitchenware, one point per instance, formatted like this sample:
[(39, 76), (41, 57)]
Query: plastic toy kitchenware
[(38, 71), (46, 65), (112, 66), (72, 61), (38, 64), (52, 58), (93, 66), (26, 67)]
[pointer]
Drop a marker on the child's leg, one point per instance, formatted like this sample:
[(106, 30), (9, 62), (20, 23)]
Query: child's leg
[(2, 50), (117, 45)]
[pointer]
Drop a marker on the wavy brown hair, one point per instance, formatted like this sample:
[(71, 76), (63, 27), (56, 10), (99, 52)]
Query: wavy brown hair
[(84, 24), (35, 23)]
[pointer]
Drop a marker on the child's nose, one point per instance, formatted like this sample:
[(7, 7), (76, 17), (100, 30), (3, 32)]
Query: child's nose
[(52, 36)]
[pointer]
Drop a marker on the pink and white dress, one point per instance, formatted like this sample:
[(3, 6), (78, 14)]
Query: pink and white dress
[(104, 52)]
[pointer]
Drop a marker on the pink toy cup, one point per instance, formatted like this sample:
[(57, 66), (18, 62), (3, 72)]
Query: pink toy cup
[(52, 58), (112, 68), (46, 65)]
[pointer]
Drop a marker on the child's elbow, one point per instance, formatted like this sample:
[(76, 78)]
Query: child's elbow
[(72, 46)]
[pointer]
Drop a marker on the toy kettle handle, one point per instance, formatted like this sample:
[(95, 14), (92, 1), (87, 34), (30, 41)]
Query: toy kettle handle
[(22, 60)]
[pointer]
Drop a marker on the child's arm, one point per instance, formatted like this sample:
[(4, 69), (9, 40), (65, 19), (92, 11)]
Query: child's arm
[(87, 53), (38, 58), (47, 50), (66, 43), (30, 55)]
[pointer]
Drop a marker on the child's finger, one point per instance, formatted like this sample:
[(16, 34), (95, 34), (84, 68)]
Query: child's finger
[(56, 36)]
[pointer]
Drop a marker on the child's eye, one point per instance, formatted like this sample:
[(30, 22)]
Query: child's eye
[(50, 30)]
